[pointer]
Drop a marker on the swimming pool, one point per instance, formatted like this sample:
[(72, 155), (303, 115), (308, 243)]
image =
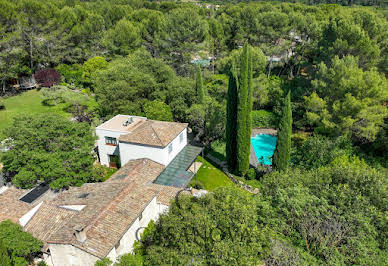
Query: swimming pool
[(264, 147)]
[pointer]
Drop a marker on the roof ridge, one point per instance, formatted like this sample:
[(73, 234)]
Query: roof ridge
[(153, 129)]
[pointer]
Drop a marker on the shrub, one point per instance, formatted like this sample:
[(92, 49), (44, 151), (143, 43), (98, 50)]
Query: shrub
[(298, 139), (197, 184), (251, 174), (261, 170), (263, 118), (2, 106), (71, 74), (318, 151), (47, 77)]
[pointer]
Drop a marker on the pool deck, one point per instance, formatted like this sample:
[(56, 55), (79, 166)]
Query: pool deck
[(253, 161)]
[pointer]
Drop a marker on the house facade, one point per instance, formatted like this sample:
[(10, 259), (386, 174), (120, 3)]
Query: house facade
[(124, 138)]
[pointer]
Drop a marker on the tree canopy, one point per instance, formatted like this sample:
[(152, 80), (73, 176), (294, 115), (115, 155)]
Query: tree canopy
[(20, 247), (299, 218), (49, 148), (348, 100)]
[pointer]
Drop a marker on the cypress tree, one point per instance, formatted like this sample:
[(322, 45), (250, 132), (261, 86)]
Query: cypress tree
[(249, 107), (231, 120), (4, 257), (199, 85), (281, 157), (243, 113)]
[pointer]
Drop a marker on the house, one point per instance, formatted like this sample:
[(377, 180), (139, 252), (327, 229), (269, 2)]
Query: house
[(124, 138), (85, 224), (82, 225)]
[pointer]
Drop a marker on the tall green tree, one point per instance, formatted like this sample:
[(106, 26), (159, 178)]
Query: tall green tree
[(231, 120), (207, 120), (92, 66), (4, 257), (348, 100), (50, 148), (281, 157), (199, 85), (157, 110), (123, 38), (244, 106), (186, 30), (22, 246)]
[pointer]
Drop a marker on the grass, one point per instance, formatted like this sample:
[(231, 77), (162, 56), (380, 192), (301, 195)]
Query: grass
[(29, 102), (211, 177), (218, 150)]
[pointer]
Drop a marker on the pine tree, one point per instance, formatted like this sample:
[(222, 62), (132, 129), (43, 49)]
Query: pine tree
[(199, 85), (243, 113), (4, 257), (281, 157), (231, 120)]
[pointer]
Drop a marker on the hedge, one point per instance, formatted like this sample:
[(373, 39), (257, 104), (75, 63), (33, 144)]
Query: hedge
[(264, 118)]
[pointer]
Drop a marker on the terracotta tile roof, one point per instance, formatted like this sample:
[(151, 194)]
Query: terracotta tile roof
[(154, 133), (145, 171), (140, 171), (166, 194), (11, 207), (47, 221), (110, 210)]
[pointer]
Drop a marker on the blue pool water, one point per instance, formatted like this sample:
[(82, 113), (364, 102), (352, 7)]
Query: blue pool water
[(264, 147)]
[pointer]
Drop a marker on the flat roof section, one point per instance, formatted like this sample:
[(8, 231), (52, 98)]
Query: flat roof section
[(117, 123), (176, 174)]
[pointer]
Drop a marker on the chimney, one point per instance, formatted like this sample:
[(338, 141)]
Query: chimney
[(80, 233)]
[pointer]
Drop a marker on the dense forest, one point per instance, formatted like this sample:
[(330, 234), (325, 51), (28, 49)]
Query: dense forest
[(172, 61), (381, 3)]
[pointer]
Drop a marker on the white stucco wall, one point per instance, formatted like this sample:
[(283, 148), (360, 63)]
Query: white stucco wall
[(130, 151), (151, 212), (68, 255), (177, 146), (105, 150)]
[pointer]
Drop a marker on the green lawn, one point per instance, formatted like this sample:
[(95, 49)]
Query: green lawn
[(29, 102), (218, 150), (211, 177)]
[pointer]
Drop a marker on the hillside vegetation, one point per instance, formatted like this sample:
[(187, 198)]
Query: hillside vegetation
[(326, 64)]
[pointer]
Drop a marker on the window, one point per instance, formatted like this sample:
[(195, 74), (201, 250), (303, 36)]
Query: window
[(110, 141), (181, 137), (117, 245), (170, 148)]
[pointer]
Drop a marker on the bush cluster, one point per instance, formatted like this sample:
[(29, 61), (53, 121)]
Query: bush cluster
[(263, 118)]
